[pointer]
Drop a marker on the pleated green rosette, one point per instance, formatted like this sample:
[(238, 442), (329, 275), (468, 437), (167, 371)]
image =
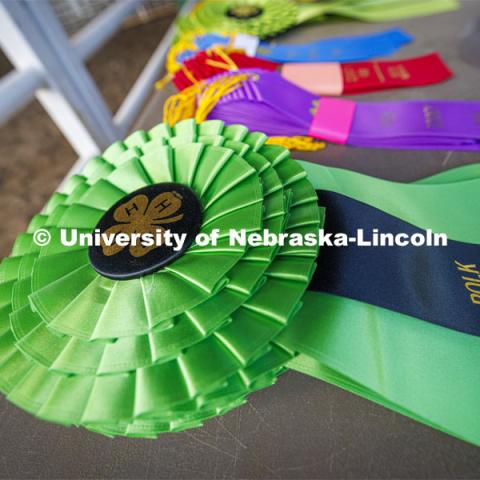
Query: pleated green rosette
[(262, 18), (267, 18), (167, 350)]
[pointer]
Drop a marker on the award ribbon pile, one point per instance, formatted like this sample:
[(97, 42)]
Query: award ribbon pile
[(138, 339), (328, 78)]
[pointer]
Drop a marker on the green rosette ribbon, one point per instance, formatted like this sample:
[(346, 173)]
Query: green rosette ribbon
[(167, 350), (262, 18), (267, 18)]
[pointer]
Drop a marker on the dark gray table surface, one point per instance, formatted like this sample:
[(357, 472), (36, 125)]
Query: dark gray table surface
[(301, 427)]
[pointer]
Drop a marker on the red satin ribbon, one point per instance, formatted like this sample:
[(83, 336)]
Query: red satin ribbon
[(361, 77), (358, 77), (203, 65)]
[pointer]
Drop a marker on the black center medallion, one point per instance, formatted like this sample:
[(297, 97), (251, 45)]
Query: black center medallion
[(244, 11), (146, 230)]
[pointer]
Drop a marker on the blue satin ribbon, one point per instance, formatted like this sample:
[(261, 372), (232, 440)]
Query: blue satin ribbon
[(340, 49), (426, 282)]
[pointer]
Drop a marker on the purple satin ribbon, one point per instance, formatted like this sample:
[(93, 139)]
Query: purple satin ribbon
[(272, 105)]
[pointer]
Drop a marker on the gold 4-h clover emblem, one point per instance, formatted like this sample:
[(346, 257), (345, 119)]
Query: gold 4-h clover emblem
[(141, 215)]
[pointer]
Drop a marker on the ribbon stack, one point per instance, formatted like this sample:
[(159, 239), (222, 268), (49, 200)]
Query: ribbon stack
[(321, 78), (265, 100), (134, 340)]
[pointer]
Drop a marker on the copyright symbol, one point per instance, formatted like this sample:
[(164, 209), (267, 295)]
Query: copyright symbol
[(42, 237)]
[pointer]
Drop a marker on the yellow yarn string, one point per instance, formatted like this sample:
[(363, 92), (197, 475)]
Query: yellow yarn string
[(306, 144), (189, 74), (198, 100), (175, 50), (229, 63), (182, 105), (187, 42), (215, 91), (159, 84), (223, 66)]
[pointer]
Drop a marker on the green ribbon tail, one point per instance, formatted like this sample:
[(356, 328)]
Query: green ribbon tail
[(389, 10), (312, 12), (415, 368), (422, 204)]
